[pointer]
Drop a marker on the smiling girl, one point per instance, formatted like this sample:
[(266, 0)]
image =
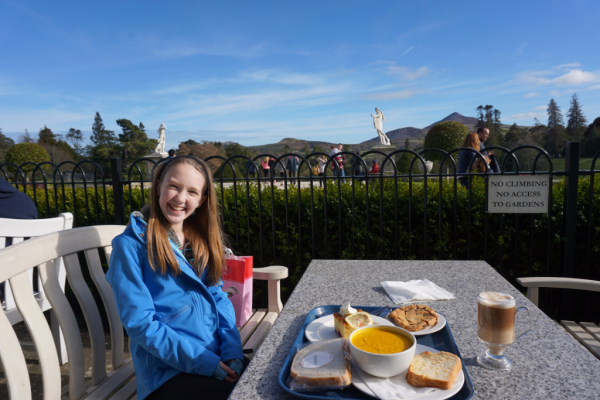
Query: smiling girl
[(165, 271)]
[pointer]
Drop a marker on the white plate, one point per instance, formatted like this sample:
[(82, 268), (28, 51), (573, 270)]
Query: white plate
[(441, 322), (323, 328), (436, 395)]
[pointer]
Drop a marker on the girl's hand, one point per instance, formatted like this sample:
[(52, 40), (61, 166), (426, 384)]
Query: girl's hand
[(231, 375)]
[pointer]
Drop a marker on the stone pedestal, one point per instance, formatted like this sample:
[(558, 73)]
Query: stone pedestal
[(149, 166), (389, 169)]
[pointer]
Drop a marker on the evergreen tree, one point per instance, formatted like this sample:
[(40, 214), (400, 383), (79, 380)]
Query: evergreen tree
[(592, 143), (5, 144), (26, 138), (190, 142), (134, 141), (512, 136), (75, 137), (576, 123), (407, 144), (556, 134), (480, 119), (554, 115), (101, 137), (142, 127), (46, 136)]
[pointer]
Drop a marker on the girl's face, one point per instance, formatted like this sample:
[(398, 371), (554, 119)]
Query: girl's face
[(181, 192)]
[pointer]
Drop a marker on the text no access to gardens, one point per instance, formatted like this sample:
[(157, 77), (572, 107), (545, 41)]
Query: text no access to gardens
[(514, 194)]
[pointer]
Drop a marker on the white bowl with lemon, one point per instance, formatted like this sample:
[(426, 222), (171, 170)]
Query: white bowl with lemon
[(382, 351)]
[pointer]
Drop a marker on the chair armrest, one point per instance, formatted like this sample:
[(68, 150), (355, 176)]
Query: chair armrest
[(274, 272), (533, 285), (561, 283)]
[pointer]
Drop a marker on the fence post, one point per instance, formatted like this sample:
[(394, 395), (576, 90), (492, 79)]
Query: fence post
[(118, 198), (569, 221)]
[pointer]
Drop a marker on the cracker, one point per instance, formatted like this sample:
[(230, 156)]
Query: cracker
[(415, 317)]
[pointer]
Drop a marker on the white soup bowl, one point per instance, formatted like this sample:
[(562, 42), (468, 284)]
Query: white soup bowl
[(384, 365)]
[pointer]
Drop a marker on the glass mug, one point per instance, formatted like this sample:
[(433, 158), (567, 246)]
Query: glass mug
[(496, 315)]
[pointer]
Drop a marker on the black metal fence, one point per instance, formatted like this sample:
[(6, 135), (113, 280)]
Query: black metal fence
[(356, 215)]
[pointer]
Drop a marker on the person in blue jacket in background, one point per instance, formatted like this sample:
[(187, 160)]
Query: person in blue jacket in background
[(165, 272)]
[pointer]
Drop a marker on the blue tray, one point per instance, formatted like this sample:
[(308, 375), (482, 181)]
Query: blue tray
[(440, 340)]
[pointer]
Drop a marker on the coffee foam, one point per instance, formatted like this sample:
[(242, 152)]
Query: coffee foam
[(495, 299)]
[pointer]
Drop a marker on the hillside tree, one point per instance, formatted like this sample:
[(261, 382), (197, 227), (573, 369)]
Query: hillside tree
[(26, 138), (134, 141), (576, 122), (75, 138), (58, 149), (556, 134), (5, 144)]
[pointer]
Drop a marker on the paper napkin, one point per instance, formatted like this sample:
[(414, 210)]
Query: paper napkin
[(395, 387), (415, 290)]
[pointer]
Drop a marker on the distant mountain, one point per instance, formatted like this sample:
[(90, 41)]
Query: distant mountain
[(398, 135), (456, 117)]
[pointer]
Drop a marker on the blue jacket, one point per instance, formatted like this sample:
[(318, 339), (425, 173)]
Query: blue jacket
[(292, 164), (175, 323)]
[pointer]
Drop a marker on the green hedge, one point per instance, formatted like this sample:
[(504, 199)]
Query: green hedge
[(293, 244)]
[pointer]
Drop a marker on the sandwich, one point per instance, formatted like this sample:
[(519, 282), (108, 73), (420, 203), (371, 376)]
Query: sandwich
[(321, 365)]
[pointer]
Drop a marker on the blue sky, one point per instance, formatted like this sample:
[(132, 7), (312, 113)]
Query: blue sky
[(256, 71)]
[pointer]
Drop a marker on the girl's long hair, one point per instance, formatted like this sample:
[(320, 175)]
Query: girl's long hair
[(472, 141), (202, 229)]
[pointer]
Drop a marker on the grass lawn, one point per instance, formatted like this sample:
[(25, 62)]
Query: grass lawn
[(584, 163)]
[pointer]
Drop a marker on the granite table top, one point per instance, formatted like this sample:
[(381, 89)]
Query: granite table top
[(548, 362)]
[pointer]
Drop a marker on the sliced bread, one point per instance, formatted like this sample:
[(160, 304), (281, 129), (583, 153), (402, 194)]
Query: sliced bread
[(438, 370), (335, 373)]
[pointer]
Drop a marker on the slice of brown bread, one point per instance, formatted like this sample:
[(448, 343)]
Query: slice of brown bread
[(438, 370), (336, 373)]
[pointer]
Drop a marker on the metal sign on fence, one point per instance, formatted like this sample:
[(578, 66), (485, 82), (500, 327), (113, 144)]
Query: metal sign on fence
[(516, 194)]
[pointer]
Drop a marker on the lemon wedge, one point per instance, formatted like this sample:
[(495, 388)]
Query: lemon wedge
[(359, 319)]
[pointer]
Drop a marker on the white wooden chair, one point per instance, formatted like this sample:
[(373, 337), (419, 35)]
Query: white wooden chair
[(587, 333), (120, 383), (17, 230)]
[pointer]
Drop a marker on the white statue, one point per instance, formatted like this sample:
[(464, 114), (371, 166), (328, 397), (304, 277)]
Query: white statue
[(378, 119), (160, 146)]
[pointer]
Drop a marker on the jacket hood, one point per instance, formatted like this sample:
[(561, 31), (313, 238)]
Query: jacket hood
[(7, 190)]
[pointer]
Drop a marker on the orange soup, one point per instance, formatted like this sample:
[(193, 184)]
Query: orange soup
[(380, 340)]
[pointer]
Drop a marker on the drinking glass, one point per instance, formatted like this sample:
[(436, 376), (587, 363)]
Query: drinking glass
[(496, 316)]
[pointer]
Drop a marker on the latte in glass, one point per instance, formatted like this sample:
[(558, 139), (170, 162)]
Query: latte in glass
[(496, 320)]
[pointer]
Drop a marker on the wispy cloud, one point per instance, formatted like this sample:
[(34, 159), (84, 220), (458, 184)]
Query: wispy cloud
[(283, 78), (574, 77), (521, 48), (528, 115), (396, 95), (530, 95), (541, 108), (568, 66)]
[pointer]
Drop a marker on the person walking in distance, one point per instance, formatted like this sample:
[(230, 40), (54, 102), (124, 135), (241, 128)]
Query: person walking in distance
[(266, 167), (292, 167), (465, 157)]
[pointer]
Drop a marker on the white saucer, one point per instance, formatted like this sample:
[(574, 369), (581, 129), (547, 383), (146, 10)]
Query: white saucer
[(441, 322), (436, 395), (323, 328)]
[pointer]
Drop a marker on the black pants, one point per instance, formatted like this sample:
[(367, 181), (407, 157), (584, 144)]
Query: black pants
[(191, 386), (266, 172), (322, 179)]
